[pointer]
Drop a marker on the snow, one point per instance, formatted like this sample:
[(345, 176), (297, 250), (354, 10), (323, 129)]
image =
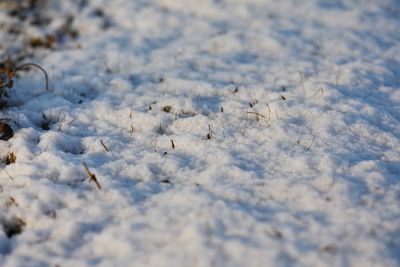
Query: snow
[(222, 133)]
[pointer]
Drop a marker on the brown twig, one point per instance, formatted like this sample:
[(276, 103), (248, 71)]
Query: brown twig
[(102, 143), (91, 176)]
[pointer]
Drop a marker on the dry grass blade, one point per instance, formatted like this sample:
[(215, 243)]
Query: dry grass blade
[(256, 113), (91, 176), (106, 148), (24, 66), (8, 71), (269, 113)]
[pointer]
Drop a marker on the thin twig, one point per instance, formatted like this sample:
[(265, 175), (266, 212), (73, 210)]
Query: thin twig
[(91, 176), (101, 141)]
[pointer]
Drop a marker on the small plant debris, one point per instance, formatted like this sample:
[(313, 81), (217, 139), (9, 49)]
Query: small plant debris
[(98, 12), (167, 109), (8, 70), (106, 148), (277, 115), (68, 29), (276, 233), (6, 75), (6, 131), (209, 135), (329, 248), (256, 113), (52, 214), (91, 176), (13, 226), (269, 112), (172, 144), (152, 103), (161, 130), (45, 124), (46, 42), (253, 103), (11, 202), (132, 130), (11, 158)]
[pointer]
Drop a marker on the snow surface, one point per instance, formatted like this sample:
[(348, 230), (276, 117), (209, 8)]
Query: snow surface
[(284, 118)]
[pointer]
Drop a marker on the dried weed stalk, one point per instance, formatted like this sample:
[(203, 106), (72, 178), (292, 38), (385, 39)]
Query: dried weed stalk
[(7, 73), (91, 176)]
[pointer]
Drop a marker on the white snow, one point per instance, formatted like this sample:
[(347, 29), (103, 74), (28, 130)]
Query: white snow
[(239, 133)]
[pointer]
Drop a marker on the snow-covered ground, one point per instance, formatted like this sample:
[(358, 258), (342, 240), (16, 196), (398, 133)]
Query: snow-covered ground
[(222, 133)]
